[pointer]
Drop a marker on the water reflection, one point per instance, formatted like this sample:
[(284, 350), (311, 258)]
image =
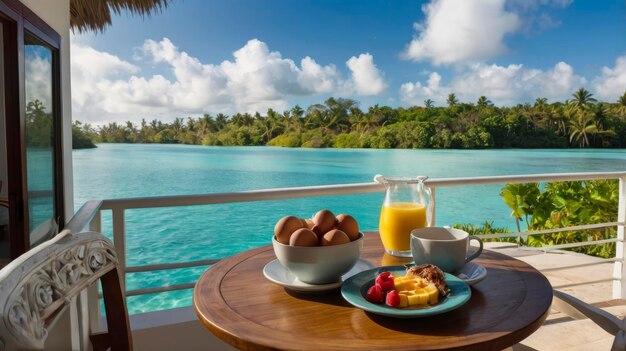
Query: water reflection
[(39, 134)]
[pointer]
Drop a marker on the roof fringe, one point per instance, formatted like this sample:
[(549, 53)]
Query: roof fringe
[(95, 15)]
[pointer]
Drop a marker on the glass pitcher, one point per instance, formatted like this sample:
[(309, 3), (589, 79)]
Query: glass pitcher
[(407, 206)]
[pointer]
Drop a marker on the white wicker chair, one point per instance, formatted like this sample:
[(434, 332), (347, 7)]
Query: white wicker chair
[(578, 309), (38, 286)]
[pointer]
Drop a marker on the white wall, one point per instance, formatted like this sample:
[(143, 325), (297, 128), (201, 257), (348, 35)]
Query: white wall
[(175, 329), (56, 13)]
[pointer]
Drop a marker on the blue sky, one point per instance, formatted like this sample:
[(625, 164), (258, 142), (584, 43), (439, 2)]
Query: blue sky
[(243, 56)]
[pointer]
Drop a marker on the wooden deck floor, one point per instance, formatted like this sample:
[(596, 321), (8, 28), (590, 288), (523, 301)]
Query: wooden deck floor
[(561, 332)]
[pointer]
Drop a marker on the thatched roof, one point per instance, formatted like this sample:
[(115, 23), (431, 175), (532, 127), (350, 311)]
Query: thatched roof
[(96, 14)]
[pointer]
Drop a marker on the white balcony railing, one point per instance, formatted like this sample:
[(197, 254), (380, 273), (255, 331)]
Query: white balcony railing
[(89, 216)]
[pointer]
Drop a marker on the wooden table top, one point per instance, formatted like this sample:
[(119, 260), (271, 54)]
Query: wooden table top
[(240, 306)]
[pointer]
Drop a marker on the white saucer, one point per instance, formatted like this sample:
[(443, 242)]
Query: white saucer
[(472, 273), (276, 273)]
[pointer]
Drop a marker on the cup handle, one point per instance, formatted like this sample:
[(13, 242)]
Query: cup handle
[(478, 252)]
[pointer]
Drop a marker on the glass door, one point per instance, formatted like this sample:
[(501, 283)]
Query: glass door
[(39, 132)]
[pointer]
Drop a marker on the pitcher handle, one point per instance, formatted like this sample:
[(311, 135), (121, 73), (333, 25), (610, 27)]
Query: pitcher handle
[(430, 211), (379, 178)]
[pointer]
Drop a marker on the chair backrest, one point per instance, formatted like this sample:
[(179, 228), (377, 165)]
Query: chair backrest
[(578, 309), (38, 286)]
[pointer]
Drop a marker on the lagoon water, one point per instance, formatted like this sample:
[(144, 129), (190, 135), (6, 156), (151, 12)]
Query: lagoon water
[(180, 234)]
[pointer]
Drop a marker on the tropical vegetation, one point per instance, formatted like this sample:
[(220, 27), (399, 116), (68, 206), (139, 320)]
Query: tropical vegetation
[(581, 121), (559, 205)]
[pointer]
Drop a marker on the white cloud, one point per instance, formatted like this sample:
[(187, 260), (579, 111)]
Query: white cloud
[(316, 78), (417, 92), (38, 77), (108, 88), (460, 30), (503, 85), (612, 81), (366, 77)]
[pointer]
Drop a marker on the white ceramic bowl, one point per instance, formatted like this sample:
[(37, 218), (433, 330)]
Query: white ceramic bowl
[(319, 264)]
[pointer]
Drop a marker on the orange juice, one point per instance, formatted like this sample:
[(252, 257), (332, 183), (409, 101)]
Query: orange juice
[(397, 220)]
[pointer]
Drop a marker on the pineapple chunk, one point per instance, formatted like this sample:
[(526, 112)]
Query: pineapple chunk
[(416, 291), (404, 285), (433, 294), (404, 301), (414, 300)]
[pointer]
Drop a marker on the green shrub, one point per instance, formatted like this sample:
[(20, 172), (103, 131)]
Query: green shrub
[(563, 204), (286, 140), (165, 137), (347, 141), (80, 139)]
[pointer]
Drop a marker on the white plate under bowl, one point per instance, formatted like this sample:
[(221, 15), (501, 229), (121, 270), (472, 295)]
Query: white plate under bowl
[(472, 273), (277, 273)]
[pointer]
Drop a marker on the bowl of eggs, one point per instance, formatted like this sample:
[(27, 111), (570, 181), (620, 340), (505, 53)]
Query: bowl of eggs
[(318, 250)]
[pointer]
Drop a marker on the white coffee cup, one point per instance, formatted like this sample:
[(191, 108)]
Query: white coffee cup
[(444, 247)]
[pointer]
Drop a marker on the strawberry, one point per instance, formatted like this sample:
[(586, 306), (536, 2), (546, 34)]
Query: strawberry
[(393, 298), (385, 280), (375, 294)]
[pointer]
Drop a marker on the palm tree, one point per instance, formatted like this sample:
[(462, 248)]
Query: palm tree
[(581, 127), (220, 121), (269, 125), (541, 103), (601, 115), (365, 122), (428, 103), (483, 102), (206, 124), (620, 109), (244, 119), (339, 108), (582, 99), (452, 100), (237, 119), (131, 131), (177, 126), (297, 112), (35, 107), (191, 124), (383, 114)]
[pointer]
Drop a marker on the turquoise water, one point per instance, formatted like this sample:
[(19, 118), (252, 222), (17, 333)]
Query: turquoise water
[(182, 234)]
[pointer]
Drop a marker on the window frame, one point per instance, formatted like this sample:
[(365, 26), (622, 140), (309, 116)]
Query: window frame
[(18, 21)]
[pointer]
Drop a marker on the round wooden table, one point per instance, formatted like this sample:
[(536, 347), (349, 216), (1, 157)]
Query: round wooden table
[(240, 306)]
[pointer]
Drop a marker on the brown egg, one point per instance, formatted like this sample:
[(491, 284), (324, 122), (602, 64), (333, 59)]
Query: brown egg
[(285, 227), (334, 237), (303, 237), (325, 220), (318, 231), (309, 223), (348, 225)]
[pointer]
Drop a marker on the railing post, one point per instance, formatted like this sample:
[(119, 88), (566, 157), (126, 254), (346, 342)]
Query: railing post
[(96, 222), (619, 269), (95, 225), (119, 241)]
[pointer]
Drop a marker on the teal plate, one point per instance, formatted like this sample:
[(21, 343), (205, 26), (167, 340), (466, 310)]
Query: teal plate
[(355, 288)]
